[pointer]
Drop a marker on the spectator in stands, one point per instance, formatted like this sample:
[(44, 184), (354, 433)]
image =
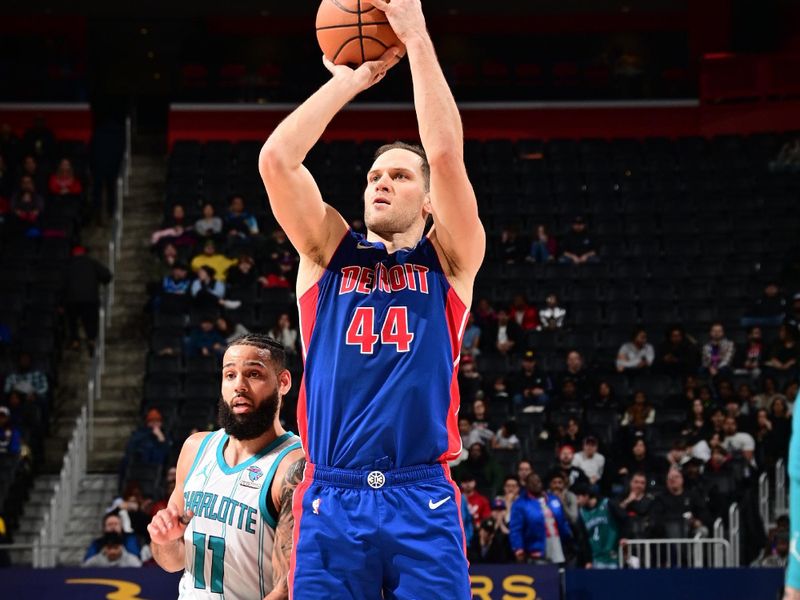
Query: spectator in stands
[(10, 436), (209, 225), (696, 426), (511, 489), (738, 442), (478, 504), (174, 229), (205, 340), (30, 167), (746, 398), (130, 506), (604, 396), (490, 546), (636, 355), (571, 434), (552, 316), (485, 316), (539, 528), (524, 468), (769, 310), (557, 485), (752, 359), (488, 474), (782, 357), (63, 181), (240, 226), (636, 506), (174, 295), (112, 524), (469, 380), (243, 275), (601, 527), (282, 274), (793, 316), (31, 383), (525, 315), (211, 258), (589, 460), (26, 205), (565, 466), (500, 393), (577, 245), (480, 415), (208, 293), (470, 343), (230, 329), (148, 444), (543, 247), (640, 413), (113, 554), (500, 514), (81, 296), (768, 393), (278, 245), (26, 415), (531, 386), (506, 437), (788, 159), (677, 355), (718, 352), (169, 487), (505, 336), (677, 513), (769, 445), (284, 333), (577, 374), (781, 553), (469, 434), (639, 460), (512, 248)]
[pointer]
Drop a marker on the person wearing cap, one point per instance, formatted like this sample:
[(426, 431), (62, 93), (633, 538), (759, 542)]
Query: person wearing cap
[(490, 546), (112, 525), (531, 386), (500, 514), (589, 460), (10, 437), (81, 295), (577, 246), (211, 258), (113, 554), (148, 444)]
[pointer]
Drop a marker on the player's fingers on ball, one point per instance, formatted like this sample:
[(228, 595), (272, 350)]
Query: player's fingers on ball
[(379, 4)]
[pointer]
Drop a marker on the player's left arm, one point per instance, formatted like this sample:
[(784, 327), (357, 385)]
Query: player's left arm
[(290, 474), (457, 228)]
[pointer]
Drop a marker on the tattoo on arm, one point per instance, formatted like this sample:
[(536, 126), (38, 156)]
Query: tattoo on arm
[(282, 548)]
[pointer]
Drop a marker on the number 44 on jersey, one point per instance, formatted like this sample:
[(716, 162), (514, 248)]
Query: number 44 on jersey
[(393, 332)]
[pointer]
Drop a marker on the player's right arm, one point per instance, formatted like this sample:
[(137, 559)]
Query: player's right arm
[(313, 227), (167, 527)]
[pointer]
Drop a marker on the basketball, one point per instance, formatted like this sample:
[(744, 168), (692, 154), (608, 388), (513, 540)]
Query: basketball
[(351, 32)]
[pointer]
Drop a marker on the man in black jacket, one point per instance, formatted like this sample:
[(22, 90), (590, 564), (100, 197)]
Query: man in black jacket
[(82, 281)]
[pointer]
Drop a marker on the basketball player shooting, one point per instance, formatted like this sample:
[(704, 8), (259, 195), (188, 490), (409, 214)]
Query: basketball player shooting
[(229, 521), (377, 514)]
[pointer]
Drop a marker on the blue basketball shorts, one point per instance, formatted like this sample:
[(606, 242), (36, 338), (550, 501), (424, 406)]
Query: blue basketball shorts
[(793, 564), (366, 535)]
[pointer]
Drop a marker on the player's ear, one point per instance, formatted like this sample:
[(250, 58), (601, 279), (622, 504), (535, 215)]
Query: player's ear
[(284, 382), (427, 206)]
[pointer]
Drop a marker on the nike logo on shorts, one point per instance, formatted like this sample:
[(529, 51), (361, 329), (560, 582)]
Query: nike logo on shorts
[(434, 505)]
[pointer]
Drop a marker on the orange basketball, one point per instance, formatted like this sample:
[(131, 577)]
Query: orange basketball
[(351, 32)]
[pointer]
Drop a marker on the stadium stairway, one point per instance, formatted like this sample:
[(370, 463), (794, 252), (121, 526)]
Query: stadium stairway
[(85, 522)]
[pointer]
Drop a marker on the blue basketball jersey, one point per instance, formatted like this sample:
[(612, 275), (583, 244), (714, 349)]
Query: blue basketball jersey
[(381, 337)]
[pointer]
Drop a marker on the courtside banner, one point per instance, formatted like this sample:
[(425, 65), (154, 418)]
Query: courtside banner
[(147, 583), (489, 582), (515, 582)]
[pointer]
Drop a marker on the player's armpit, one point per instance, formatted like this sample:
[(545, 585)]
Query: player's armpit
[(282, 547)]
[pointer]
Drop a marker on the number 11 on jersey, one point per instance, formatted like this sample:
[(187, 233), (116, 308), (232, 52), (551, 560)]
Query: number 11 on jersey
[(361, 331)]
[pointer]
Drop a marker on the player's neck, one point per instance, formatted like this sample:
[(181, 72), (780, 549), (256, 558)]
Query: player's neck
[(237, 451), (396, 241)]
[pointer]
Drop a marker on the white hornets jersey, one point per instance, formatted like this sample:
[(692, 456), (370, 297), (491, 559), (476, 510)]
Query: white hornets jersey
[(229, 539)]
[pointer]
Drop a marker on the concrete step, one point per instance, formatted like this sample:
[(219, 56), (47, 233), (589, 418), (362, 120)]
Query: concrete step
[(29, 527), (41, 496), (93, 498), (106, 461), (21, 558), (45, 482), (71, 557)]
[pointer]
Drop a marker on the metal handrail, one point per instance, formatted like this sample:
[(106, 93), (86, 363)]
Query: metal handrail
[(734, 532), (781, 489), (763, 499), (696, 552)]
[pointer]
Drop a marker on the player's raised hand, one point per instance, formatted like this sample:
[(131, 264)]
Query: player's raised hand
[(168, 525), (405, 16), (368, 73)]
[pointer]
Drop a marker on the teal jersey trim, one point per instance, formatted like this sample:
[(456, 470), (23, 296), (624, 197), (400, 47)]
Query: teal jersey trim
[(242, 466), (199, 455), (262, 497)]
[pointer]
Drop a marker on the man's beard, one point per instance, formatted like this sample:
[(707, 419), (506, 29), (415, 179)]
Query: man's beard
[(248, 426)]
